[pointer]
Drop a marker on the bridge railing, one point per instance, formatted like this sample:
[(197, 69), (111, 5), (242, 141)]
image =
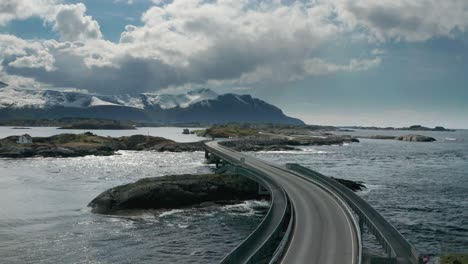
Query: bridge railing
[(262, 246), (388, 236)]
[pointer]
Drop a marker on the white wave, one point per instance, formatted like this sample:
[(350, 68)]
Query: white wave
[(304, 151), (282, 152), (171, 212), (246, 208), (311, 150), (450, 139), (370, 187)]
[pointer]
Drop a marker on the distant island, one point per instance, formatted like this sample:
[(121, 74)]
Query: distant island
[(410, 128), (105, 126), (249, 138)]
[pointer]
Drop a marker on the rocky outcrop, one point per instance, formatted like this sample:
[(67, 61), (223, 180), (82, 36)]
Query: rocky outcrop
[(352, 185), (175, 191), (79, 145), (416, 138), (44, 150), (280, 144)]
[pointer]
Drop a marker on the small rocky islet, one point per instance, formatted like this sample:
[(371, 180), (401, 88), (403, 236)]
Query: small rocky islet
[(176, 191), (409, 138), (183, 191)]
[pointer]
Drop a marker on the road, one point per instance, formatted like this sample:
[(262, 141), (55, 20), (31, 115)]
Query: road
[(323, 231)]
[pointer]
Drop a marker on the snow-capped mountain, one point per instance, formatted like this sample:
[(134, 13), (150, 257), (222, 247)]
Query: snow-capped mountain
[(21, 98), (202, 105)]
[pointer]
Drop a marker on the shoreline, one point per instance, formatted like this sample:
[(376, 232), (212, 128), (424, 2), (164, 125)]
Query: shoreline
[(85, 144)]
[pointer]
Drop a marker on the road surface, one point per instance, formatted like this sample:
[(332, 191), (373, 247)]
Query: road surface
[(323, 231)]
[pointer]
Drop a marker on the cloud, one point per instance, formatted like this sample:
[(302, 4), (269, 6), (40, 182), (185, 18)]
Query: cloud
[(72, 24), (22, 9), (403, 20), (183, 42), (68, 20)]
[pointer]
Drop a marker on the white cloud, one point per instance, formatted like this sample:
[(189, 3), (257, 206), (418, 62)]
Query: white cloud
[(72, 24), (68, 20), (403, 20), (183, 42), (378, 52), (22, 9), (214, 42)]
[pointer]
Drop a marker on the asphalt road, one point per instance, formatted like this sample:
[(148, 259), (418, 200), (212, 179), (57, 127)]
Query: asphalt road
[(323, 231)]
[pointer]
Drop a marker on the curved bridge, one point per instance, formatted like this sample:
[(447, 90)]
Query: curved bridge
[(324, 228)]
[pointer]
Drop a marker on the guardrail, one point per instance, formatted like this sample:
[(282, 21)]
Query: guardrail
[(262, 244), (388, 236)]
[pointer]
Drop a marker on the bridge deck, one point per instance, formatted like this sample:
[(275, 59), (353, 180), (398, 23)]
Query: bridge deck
[(323, 229)]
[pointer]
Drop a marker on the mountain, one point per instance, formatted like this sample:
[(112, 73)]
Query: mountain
[(202, 105)]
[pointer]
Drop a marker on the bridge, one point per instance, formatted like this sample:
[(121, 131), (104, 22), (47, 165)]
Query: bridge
[(312, 219)]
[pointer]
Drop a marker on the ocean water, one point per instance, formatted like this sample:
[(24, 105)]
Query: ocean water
[(421, 188), (44, 218)]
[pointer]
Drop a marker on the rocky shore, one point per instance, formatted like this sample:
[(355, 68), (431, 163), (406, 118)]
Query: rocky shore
[(78, 145), (354, 186), (175, 191), (411, 138), (285, 144)]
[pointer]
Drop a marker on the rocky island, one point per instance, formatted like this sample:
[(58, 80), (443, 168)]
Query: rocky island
[(410, 128), (182, 191), (176, 191), (410, 138), (78, 145), (244, 138), (105, 126)]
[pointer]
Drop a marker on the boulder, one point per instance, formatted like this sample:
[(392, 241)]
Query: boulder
[(352, 185)]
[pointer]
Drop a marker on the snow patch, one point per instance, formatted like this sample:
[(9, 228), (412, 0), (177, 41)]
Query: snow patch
[(98, 102)]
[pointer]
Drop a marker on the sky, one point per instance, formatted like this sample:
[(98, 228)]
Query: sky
[(329, 62)]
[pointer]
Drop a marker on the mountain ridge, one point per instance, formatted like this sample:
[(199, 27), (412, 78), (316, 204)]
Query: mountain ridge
[(201, 105)]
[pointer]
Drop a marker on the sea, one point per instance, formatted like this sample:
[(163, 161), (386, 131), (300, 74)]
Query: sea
[(421, 188)]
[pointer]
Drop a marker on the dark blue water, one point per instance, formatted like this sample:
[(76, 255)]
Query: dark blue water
[(44, 219), (421, 188)]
